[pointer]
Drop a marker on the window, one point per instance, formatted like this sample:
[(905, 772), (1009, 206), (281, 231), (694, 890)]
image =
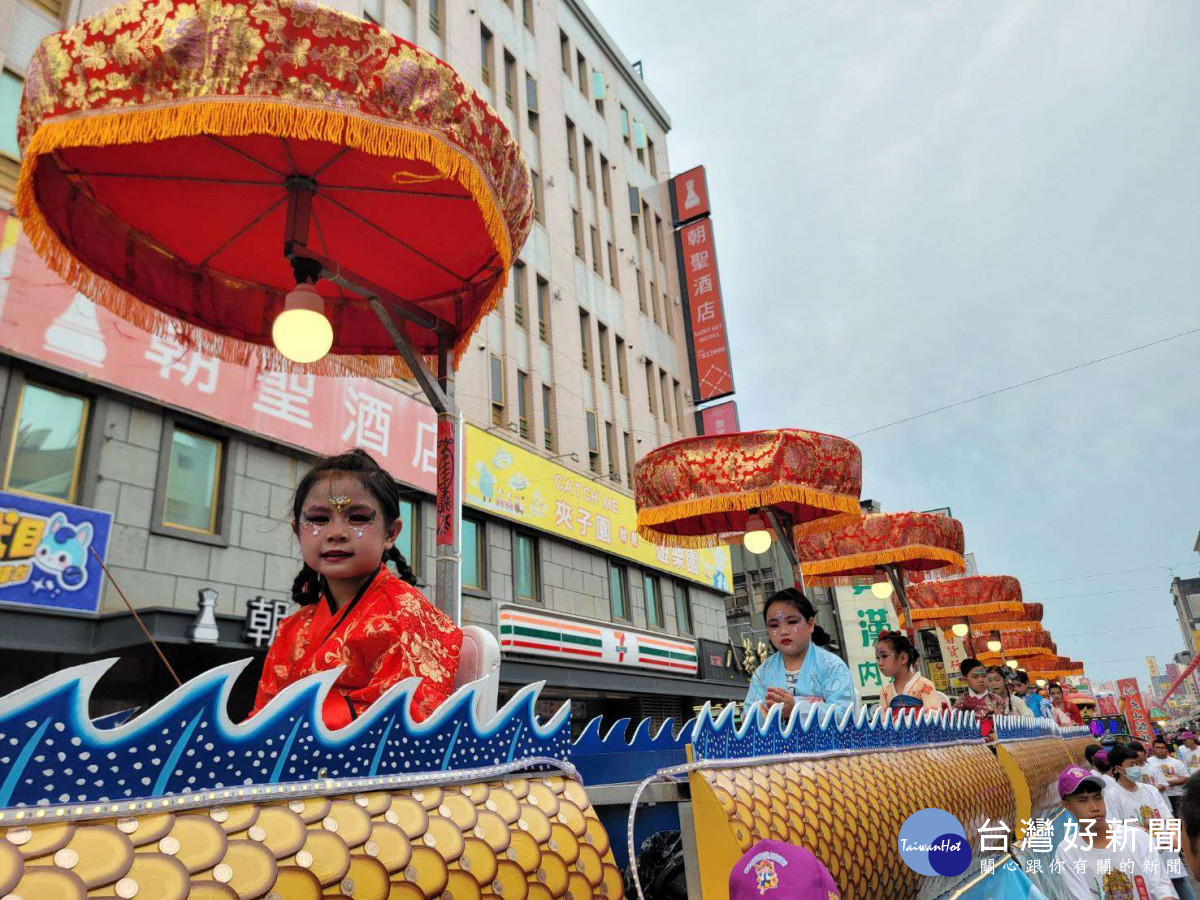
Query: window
[(572, 163), (625, 130), (531, 104), (666, 397), (543, 302), (473, 563), (547, 418), (646, 230), (654, 610), (603, 354), (629, 459), (11, 86), (614, 456), (650, 387), (683, 609), (510, 80), (539, 199), (654, 302), (581, 64), (497, 390), (585, 340), (485, 54), (622, 367), (679, 405), (650, 154), (597, 257), (668, 315), (658, 227), (605, 182), (589, 168), (193, 482), (47, 444), (641, 286), (564, 50), (525, 567), (406, 541), (593, 439), (612, 267), (54, 7), (527, 14), (523, 404), (373, 11), (519, 294), (435, 16), (577, 222), (618, 591)]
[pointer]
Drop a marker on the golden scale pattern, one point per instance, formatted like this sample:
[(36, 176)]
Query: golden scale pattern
[(1041, 760), (848, 810), (1076, 746), (520, 839)]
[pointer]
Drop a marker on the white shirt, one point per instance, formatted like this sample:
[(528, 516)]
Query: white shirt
[(1153, 774), (1145, 875), (1168, 768), (1190, 758), (1140, 807)]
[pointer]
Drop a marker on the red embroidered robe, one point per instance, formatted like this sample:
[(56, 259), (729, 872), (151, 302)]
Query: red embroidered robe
[(387, 633)]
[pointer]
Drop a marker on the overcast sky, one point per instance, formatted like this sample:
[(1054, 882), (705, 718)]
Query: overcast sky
[(916, 205)]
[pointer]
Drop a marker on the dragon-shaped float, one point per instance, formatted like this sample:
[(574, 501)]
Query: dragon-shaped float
[(182, 802)]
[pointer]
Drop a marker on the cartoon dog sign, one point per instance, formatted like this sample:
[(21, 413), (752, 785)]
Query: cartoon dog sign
[(63, 552)]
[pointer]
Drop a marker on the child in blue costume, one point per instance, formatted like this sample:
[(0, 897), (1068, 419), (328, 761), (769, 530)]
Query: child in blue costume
[(802, 674)]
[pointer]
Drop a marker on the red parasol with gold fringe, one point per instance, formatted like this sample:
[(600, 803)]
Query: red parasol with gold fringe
[(277, 176), (910, 541), (947, 602), (704, 491)]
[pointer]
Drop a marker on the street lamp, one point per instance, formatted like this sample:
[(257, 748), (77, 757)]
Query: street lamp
[(757, 538), (301, 332), (960, 629)]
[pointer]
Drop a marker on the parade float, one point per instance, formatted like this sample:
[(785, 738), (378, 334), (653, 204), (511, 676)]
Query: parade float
[(215, 173)]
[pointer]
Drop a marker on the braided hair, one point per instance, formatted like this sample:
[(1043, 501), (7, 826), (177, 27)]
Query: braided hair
[(307, 587), (899, 644)]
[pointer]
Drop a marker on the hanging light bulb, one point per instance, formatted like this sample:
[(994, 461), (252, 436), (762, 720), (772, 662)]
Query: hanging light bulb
[(301, 332), (994, 642), (1041, 682), (882, 589), (1012, 663), (960, 629), (757, 538)]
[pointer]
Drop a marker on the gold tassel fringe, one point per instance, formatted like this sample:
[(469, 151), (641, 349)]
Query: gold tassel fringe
[(232, 117), (937, 613), (820, 572)]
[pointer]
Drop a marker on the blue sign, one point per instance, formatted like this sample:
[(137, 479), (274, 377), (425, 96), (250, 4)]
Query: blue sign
[(46, 553)]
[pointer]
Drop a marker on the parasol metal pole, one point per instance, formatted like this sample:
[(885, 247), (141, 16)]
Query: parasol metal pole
[(896, 579), (448, 561), (782, 524)]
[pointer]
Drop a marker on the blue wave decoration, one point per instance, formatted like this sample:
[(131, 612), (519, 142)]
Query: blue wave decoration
[(52, 753), (1015, 728), (619, 757), (825, 731)]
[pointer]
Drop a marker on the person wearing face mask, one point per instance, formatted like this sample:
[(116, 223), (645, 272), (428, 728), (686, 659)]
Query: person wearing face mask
[(1134, 802), (1167, 768), (802, 674)]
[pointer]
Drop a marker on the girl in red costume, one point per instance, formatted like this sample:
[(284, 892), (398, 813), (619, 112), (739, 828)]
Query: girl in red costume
[(354, 611)]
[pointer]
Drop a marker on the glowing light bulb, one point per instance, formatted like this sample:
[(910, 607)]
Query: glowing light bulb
[(757, 538), (1041, 682), (301, 332), (960, 629), (1012, 664), (994, 645), (882, 589)]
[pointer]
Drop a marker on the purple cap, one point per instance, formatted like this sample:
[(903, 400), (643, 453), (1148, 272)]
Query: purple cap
[(1073, 777), (1100, 756), (781, 871), (1184, 735)]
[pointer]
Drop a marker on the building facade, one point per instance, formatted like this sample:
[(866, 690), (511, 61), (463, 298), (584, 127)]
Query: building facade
[(191, 462), (1185, 596)]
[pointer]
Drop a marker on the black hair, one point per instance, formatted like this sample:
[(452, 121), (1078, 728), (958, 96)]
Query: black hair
[(1090, 752), (1189, 810), (1136, 746), (969, 665), (900, 645), (1159, 740), (802, 605), (1118, 756), (1022, 676), (1052, 685), (307, 587)]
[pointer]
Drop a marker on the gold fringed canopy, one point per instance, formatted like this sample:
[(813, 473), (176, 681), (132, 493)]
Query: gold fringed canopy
[(700, 492), (160, 138), (915, 542)]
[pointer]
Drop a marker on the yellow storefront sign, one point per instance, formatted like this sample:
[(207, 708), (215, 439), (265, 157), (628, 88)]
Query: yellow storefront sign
[(509, 481)]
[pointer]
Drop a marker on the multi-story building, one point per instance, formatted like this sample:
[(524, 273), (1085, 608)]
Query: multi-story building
[(1185, 595), (582, 369)]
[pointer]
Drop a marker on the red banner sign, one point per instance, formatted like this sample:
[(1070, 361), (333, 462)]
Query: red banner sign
[(1136, 713), (689, 195), (42, 318), (1106, 705), (712, 369), (719, 419)]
